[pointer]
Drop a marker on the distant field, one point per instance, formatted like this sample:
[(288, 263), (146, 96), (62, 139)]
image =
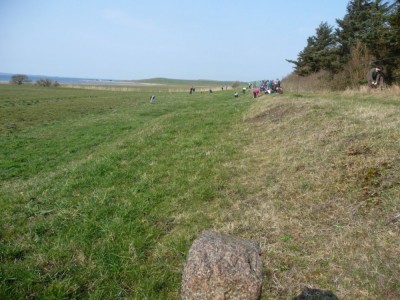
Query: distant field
[(182, 82), (102, 193), (162, 85)]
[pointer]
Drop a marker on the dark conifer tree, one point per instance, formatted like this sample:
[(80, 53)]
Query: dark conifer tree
[(393, 43), (319, 54), (351, 27), (368, 35), (367, 22)]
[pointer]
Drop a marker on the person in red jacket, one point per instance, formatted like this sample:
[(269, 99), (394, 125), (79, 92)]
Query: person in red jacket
[(256, 91)]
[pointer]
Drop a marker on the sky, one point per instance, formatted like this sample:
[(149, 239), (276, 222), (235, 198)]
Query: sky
[(140, 39)]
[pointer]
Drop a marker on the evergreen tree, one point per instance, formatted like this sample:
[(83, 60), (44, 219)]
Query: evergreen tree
[(393, 42), (367, 22), (375, 33), (368, 35), (319, 54), (351, 27)]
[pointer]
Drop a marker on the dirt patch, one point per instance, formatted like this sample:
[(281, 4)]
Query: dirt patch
[(358, 150), (275, 114)]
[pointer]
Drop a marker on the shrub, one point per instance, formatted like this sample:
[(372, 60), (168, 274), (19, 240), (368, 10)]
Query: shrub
[(46, 82), (19, 79), (235, 84)]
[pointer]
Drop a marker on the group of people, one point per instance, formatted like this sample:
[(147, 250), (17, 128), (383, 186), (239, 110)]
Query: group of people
[(375, 79), (268, 87), (271, 86), (265, 86)]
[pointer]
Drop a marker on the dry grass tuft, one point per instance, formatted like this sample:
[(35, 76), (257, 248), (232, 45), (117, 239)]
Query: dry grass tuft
[(363, 89)]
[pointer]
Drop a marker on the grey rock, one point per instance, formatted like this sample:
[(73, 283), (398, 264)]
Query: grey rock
[(222, 267)]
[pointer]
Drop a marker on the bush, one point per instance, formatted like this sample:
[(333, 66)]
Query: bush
[(19, 79), (320, 81), (353, 75), (46, 82), (235, 84)]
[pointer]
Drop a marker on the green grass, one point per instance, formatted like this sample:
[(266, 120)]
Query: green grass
[(103, 193)]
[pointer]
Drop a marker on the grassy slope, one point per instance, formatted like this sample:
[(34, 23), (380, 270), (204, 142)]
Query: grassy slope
[(323, 170), (103, 193)]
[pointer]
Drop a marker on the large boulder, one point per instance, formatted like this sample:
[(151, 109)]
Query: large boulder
[(220, 267)]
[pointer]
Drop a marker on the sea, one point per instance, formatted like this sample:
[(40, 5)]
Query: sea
[(6, 77)]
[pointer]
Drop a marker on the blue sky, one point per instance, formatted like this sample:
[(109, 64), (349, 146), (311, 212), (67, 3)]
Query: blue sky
[(132, 39)]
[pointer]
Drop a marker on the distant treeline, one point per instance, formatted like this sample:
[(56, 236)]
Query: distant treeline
[(22, 78), (367, 36)]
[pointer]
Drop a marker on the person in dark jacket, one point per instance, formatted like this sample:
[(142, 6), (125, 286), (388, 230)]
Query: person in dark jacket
[(375, 78)]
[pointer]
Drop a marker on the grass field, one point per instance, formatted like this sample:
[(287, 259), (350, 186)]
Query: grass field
[(103, 193)]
